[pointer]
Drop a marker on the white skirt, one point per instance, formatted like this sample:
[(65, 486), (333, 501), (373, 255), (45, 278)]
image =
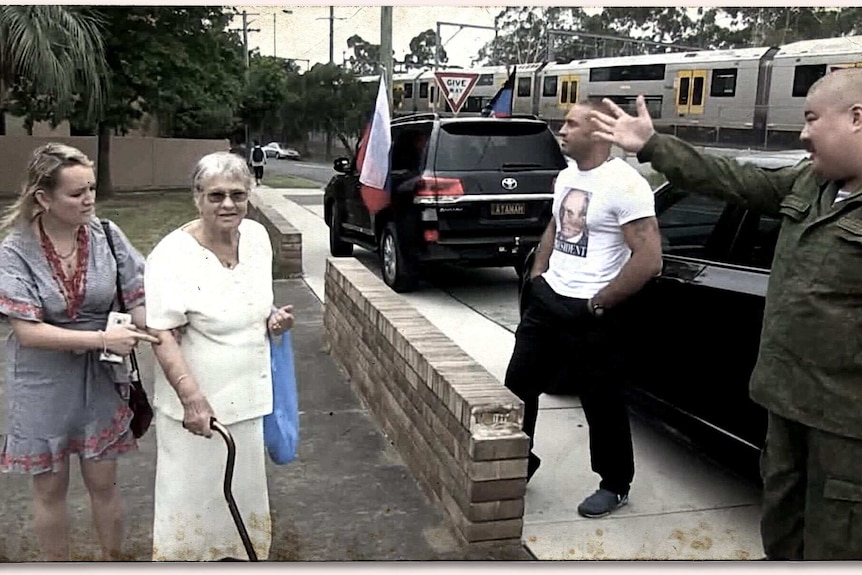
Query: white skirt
[(192, 521)]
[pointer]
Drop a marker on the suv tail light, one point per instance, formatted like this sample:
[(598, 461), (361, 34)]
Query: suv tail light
[(430, 186)]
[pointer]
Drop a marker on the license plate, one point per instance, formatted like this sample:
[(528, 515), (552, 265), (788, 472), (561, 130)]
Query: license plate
[(508, 209)]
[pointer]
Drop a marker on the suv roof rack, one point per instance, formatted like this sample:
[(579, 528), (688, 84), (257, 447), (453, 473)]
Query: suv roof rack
[(415, 117)]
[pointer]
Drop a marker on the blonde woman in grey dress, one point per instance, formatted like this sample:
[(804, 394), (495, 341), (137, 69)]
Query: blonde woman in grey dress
[(57, 284)]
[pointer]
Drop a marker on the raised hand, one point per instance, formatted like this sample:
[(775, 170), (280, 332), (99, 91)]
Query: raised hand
[(630, 133)]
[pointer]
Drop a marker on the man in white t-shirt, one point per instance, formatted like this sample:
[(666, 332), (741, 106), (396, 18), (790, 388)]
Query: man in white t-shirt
[(600, 248)]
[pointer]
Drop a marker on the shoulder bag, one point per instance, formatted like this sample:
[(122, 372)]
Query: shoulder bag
[(138, 401)]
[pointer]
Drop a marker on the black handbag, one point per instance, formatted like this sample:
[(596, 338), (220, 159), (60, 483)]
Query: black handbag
[(138, 401)]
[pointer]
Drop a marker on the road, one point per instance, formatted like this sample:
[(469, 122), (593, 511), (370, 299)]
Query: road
[(683, 505), (316, 172)]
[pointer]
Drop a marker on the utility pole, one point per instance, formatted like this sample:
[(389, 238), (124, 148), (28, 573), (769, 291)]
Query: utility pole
[(332, 20), (245, 32), (386, 48), (331, 33)]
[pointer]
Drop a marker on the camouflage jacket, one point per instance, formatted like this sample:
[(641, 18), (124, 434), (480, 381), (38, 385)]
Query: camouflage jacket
[(809, 367)]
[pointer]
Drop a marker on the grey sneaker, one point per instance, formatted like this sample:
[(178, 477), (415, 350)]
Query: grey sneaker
[(601, 503)]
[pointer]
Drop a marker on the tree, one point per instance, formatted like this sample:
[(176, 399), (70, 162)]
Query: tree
[(58, 52), (264, 93), (336, 102), (522, 30), (366, 56), (421, 53), (170, 62)]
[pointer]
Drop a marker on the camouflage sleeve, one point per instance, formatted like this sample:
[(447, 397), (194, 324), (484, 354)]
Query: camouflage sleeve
[(758, 189)]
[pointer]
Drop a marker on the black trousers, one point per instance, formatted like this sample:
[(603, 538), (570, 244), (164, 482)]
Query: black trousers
[(559, 336)]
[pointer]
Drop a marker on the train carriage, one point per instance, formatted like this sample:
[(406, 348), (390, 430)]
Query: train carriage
[(795, 67), (750, 97)]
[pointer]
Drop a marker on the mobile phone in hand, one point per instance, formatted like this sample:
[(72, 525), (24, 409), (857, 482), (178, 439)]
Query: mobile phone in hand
[(115, 319)]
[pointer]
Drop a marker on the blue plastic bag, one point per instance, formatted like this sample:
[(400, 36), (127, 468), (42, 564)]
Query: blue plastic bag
[(281, 427)]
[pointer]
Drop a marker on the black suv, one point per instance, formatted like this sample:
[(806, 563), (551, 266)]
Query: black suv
[(470, 190)]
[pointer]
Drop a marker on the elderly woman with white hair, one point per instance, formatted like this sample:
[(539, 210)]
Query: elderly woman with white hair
[(210, 300)]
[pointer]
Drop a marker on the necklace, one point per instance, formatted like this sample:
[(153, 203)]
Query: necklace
[(72, 288), (70, 254), (46, 238)]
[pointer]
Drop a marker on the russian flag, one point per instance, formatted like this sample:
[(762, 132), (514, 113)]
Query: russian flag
[(373, 157), (500, 105)]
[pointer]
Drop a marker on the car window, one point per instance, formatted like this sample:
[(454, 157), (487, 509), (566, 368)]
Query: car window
[(408, 146), (755, 243), (696, 226), (478, 146)]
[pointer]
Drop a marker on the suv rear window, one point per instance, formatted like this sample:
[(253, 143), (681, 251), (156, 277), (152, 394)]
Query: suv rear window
[(481, 146)]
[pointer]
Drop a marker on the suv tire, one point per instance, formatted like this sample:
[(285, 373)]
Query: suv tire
[(398, 274), (338, 247)]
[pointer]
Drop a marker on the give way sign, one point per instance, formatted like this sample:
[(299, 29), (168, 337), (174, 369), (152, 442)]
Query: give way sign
[(455, 87)]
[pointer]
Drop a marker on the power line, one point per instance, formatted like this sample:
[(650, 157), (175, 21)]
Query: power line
[(315, 46)]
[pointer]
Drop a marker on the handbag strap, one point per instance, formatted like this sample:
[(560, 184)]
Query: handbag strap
[(120, 301)]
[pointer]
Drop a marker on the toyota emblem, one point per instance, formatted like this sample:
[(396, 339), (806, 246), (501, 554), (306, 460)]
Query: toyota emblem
[(509, 183)]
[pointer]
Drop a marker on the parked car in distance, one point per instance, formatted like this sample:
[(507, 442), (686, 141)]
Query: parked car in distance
[(696, 327), (275, 150), (470, 190)]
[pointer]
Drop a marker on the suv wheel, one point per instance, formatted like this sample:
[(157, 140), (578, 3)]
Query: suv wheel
[(397, 272), (338, 247)]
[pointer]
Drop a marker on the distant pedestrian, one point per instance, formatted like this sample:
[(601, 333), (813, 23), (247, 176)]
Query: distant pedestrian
[(809, 369), (600, 248), (258, 161), (209, 289), (57, 285)]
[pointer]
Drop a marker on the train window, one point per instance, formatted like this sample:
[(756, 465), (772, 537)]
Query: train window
[(684, 85), (408, 90), (629, 103), (485, 80), (627, 73), (524, 87), (723, 83), (564, 92), (804, 76), (697, 93), (423, 90), (549, 86)]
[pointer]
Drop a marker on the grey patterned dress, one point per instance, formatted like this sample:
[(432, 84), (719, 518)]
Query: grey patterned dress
[(63, 402)]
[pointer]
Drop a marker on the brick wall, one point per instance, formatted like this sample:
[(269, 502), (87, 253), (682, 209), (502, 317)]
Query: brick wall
[(455, 425), (286, 240)]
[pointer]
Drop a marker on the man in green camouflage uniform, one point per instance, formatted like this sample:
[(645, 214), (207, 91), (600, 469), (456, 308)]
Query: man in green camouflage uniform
[(809, 368)]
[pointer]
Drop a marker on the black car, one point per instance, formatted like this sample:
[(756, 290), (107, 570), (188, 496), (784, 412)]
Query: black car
[(696, 328), (470, 190)]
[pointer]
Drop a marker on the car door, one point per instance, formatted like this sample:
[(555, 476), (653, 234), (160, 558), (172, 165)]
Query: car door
[(356, 218), (701, 319)]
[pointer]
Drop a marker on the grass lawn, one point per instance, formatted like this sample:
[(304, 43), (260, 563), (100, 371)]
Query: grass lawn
[(288, 182), (145, 217)]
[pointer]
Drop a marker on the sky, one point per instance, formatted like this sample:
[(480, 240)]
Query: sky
[(305, 32)]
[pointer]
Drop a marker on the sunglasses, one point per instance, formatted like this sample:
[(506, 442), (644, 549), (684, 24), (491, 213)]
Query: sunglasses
[(219, 197)]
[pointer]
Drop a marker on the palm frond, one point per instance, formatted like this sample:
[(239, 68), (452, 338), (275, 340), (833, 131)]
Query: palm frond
[(59, 49)]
